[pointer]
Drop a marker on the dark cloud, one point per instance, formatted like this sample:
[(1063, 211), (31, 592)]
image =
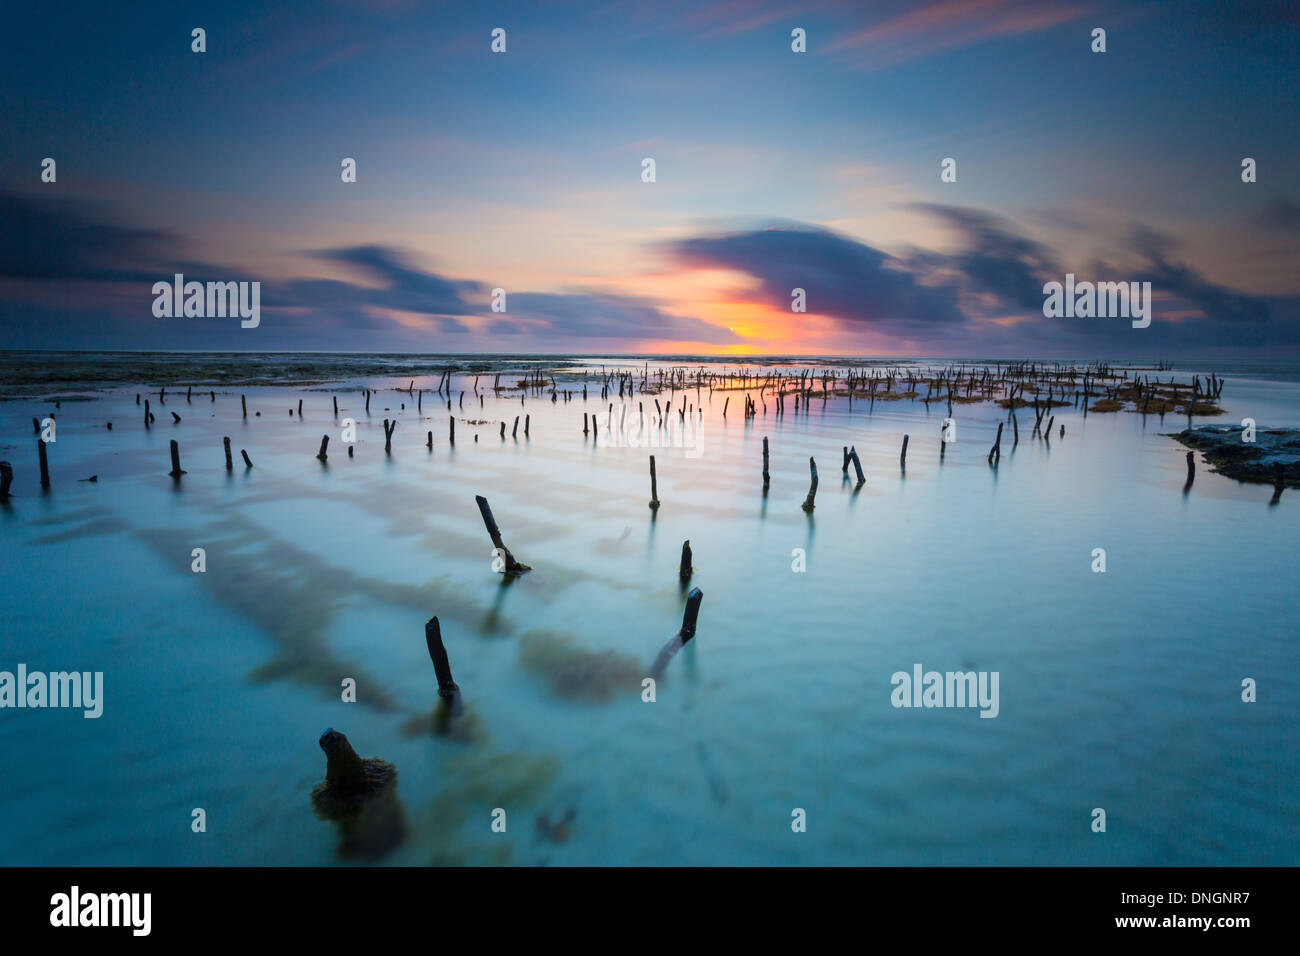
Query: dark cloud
[(995, 259), (843, 278), (60, 239), (1184, 283)]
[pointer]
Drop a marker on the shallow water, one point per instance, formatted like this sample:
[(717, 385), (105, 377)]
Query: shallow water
[(1118, 690)]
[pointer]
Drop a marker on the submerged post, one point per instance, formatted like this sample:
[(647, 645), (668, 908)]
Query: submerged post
[(248, 463), (857, 465), (176, 471), (45, 465), (226, 443), (902, 458), (684, 569), (654, 486), (1191, 470), (996, 450), (682, 637), (812, 488), (767, 478), (7, 479), (324, 443), (447, 688), (513, 568)]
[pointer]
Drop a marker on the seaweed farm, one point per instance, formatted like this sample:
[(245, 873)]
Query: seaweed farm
[(599, 611)]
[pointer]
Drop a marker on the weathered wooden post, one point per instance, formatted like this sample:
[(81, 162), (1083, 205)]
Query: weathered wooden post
[(1191, 470), (808, 504), (429, 443), (996, 450), (176, 419), (689, 619), (388, 435), (324, 444), (147, 416), (7, 479), (226, 444), (453, 431), (243, 404), (654, 486), (336, 405), (247, 461), (300, 408), (45, 465), (684, 569), (1279, 480), (767, 478), (857, 465), (902, 458), (176, 471), (513, 568), (447, 688)]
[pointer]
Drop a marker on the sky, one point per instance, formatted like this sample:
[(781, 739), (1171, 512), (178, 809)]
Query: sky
[(774, 170)]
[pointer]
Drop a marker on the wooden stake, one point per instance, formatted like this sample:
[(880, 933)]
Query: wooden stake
[(177, 470), (767, 478), (247, 462), (324, 443), (513, 568), (812, 488), (447, 688), (7, 479), (226, 442), (689, 620), (902, 458), (857, 465), (654, 486), (684, 569), (45, 465)]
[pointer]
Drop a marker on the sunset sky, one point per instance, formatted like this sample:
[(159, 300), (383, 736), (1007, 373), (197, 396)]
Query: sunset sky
[(775, 170)]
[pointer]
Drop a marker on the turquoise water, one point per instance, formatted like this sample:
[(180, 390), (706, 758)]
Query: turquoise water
[(1119, 690)]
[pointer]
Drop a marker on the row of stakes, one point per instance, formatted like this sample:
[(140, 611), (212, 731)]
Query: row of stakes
[(850, 453)]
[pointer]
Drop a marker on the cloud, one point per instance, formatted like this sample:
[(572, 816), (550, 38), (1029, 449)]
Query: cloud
[(919, 31), (60, 239), (995, 259), (842, 277), (1182, 282)]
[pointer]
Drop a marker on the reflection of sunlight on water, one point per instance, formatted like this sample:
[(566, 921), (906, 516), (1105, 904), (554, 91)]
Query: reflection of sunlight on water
[(1118, 690)]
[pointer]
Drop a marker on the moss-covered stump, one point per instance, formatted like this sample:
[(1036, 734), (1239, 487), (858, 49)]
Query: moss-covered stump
[(360, 798), (1225, 447)]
